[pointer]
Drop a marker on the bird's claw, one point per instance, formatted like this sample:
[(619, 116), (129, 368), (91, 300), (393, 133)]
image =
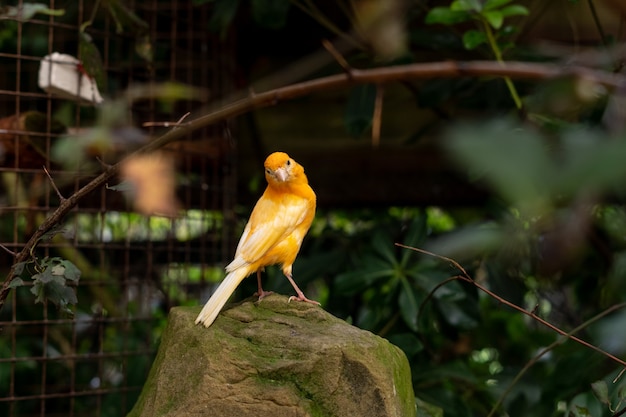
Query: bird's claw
[(301, 297), (263, 294)]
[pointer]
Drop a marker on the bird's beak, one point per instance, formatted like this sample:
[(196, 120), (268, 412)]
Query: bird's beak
[(281, 174)]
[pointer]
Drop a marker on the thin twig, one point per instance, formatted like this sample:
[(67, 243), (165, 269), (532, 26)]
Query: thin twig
[(167, 124), (596, 21), (220, 112), (467, 278), (547, 349), (8, 250), (338, 57), (54, 185), (377, 116)]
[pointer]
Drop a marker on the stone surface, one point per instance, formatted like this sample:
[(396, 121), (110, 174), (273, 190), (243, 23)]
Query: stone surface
[(274, 359)]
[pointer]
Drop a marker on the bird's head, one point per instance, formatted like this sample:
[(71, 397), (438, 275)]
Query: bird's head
[(281, 169)]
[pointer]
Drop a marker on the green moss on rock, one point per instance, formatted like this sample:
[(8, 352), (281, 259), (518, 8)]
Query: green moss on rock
[(273, 358)]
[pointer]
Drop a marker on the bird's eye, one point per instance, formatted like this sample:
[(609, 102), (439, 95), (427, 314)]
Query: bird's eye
[(268, 170), (288, 162)]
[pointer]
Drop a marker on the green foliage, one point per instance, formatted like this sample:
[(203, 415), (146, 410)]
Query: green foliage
[(50, 279), (360, 109), (492, 12)]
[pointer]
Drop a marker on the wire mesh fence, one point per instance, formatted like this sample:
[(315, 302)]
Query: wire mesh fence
[(93, 360)]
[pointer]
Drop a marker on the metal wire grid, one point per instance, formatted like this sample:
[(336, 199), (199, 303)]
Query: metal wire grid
[(134, 267)]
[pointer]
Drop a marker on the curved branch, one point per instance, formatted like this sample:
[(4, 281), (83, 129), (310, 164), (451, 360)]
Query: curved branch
[(464, 276), (447, 69)]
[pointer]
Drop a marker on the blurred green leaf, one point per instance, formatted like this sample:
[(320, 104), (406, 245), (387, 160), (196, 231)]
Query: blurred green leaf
[(601, 389), (592, 163), (473, 38), (271, 14), (513, 160), (514, 10), (360, 109), (466, 5), (495, 4), (445, 16), (355, 281), (409, 307), (414, 236), (91, 60), (408, 342), (16, 282), (494, 17)]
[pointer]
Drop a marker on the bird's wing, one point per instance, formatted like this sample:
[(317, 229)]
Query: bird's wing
[(271, 221)]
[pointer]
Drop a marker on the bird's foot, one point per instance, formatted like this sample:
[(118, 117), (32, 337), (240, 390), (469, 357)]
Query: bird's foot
[(262, 294), (301, 297)]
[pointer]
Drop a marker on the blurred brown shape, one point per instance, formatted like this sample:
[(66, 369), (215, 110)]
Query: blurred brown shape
[(153, 180), (21, 149)]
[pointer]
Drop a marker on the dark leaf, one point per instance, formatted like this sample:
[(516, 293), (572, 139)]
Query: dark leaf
[(224, 12), (408, 342), (360, 109), (601, 389), (271, 14), (409, 307), (19, 268)]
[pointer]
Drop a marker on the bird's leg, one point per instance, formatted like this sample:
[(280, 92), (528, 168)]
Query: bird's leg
[(262, 294), (301, 296)]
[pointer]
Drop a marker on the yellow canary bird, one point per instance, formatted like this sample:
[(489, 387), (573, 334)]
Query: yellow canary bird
[(273, 235)]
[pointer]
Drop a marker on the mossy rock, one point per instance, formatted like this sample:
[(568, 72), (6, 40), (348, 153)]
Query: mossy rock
[(272, 359)]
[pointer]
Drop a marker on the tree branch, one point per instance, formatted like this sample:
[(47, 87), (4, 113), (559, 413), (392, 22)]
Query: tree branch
[(464, 276), (448, 69)]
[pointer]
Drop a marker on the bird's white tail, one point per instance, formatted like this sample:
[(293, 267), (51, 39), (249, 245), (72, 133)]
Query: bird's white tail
[(223, 292)]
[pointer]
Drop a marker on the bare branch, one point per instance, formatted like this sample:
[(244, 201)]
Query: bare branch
[(467, 278), (61, 198), (9, 251), (338, 57), (167, 124), (218, 113)]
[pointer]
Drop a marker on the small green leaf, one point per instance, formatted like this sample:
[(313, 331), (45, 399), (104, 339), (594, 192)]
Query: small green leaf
[(494, 18), (601, 390), (19, 268), (445, 16), (71, 272), (466, 5), (514, 10), (495, 4), (58, 270), (91, 60), (473, 38), (16, 282)]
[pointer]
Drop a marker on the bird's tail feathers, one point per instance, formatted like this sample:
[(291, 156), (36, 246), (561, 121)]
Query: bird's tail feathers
[(223, 292)]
